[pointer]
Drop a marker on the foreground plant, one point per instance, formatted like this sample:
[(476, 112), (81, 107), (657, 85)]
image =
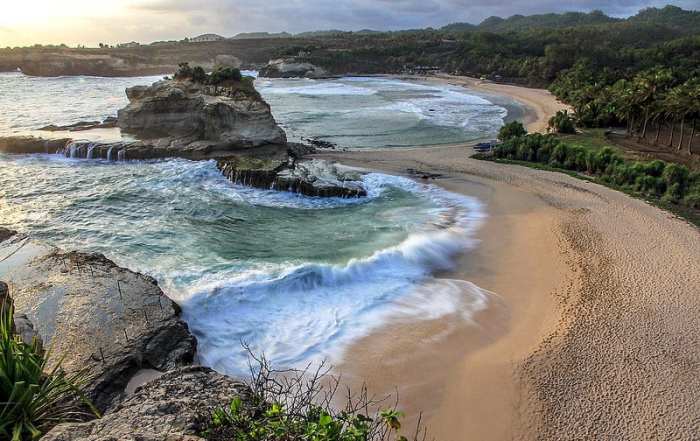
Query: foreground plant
[(295, 405), (33, 396)]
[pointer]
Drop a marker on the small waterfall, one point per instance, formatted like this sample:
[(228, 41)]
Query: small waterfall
[(109, 153), (73, 150), (121, 155), (90, 148)]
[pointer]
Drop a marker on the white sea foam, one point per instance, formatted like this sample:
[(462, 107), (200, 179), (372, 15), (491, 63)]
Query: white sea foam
[(318, 88), (298, 313)]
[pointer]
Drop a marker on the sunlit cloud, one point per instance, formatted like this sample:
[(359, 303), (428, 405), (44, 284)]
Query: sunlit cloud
[(24, 22)]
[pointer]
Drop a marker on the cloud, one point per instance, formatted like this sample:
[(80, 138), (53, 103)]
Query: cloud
[(232, 16), (150, 20)]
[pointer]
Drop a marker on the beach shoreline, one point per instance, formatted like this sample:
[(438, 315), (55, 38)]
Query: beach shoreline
[(549, 358)]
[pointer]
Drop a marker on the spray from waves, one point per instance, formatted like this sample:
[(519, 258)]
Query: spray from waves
[(316, 88), (304, 312)]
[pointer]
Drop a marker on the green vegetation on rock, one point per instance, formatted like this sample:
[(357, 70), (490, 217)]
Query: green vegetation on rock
[(35, 394)]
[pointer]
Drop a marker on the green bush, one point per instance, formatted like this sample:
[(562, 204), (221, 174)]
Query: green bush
[(562, 123), (199, 75), (297, 406), (184, 72), (513, 129), (671, 182), (223, 74), (33, 397)]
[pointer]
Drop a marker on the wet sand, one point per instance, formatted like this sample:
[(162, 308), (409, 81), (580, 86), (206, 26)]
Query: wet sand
[(591, 332)]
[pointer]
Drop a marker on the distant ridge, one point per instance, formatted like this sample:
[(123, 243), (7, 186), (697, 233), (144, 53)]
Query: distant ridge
[(252, 35), (669, 16)]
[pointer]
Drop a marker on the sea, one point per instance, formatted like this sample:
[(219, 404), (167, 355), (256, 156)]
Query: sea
[(296, 278)]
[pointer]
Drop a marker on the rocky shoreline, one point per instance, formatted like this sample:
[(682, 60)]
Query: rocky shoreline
[(62, 297), (184, 119)]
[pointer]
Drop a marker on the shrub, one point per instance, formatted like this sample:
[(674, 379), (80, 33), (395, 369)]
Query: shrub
[(513, 129), (692, 200), (297, 405), (199, 75), (184, 72), (562, 123), (676, 178), (33, 398), (223, 74), (670, 182)]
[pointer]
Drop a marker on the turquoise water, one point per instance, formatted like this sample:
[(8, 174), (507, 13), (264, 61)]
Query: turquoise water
[(297, 278)]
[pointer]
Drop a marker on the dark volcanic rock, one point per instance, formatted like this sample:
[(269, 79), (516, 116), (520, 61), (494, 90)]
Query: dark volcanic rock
[(105, 320), (312, 178), (6, 234), (82, 125), (175, 406), (30, 144)]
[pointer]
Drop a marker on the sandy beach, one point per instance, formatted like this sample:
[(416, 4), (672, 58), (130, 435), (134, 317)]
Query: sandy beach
[(591, 329)]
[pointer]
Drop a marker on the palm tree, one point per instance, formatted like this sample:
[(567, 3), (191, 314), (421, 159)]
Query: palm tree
[(647, 88), (623, 103), (675, 106)]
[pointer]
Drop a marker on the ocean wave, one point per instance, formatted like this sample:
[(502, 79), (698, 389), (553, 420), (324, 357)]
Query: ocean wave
[(300, 312), (316, 88)]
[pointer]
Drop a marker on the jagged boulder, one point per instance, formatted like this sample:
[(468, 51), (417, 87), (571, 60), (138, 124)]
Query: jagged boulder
[(310, 178), (234, 116), (175, 406), (291, 68), (106, 321)]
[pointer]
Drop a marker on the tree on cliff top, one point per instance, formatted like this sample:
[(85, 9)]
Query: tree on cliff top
[(197, 74)]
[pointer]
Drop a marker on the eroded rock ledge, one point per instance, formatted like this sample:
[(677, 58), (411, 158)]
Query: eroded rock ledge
[(175, 406), (311, 178)]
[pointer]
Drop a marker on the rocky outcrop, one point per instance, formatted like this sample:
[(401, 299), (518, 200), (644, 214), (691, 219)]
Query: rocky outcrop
[(185, 113), (6, 234), (311, 178), (291, 68), (31, 144), (107, 321), (132, 150), (108, 123), (175, 406)]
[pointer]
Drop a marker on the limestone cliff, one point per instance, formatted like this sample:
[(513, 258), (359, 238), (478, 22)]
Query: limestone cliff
[(292, 68), (184, 112)]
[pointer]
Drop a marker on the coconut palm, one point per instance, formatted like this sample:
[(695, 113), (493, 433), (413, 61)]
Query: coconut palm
[(647, 89)]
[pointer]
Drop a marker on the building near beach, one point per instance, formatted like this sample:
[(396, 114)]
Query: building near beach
[(206, 37)]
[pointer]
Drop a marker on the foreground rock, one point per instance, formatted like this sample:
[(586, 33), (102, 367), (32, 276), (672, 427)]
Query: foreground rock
[(106, 321), (311, 178), (292, 68), (175, 406), (186, 113)]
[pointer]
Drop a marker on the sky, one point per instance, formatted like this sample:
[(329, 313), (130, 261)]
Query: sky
[(88, 22)]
